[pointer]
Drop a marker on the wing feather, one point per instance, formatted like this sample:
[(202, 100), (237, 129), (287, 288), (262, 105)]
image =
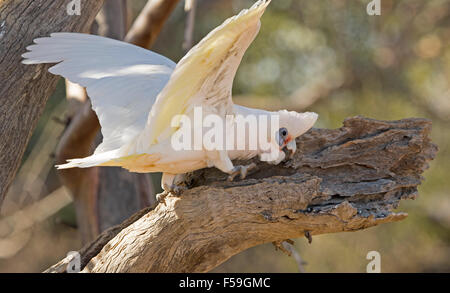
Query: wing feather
[(122, 80), (205, 75)]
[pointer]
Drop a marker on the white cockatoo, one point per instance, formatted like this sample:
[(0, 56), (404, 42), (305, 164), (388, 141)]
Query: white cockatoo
[(137, 93)]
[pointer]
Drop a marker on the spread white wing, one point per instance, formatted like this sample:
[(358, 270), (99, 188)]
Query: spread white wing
[(204, 77), (122, 80)]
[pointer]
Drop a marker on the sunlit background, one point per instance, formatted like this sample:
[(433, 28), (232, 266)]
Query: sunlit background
[(326, 56)]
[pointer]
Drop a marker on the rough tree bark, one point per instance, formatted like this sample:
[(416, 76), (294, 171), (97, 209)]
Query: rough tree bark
[(343, 179), (25, 89)]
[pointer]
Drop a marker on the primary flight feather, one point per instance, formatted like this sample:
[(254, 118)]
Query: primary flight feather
[(137, 93)]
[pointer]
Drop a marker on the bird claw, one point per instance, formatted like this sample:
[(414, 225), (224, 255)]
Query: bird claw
[(308, 236), (241, 170), (290, 155), (177, 189), (291, 148), (174, 189), (161, 197)]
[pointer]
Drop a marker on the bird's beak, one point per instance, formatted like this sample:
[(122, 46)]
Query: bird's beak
[(281, 142), (292, 147)]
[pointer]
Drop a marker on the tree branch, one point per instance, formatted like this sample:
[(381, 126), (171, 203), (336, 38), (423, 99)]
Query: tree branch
[(189, 8), (154, 15), (344, 179)]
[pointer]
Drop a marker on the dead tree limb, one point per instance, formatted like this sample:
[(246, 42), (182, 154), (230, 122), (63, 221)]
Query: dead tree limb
[(25, 89), (190, 8), (344, 179)]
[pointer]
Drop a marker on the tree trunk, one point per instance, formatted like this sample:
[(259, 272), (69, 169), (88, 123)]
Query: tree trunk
[(25, 89), (340, 180)]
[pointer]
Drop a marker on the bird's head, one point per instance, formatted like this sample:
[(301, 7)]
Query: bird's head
[(292, 125)]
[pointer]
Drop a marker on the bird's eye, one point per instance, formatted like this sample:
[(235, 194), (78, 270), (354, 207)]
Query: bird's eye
[(283, 131)]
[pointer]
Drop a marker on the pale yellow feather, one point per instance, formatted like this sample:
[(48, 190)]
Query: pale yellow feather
[(192, 71)]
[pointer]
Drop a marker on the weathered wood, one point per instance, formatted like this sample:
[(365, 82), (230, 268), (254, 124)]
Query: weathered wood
[(343, 179), (25, 89), (92, 249)]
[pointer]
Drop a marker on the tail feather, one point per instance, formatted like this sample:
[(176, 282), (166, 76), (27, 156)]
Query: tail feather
[(106, 158)]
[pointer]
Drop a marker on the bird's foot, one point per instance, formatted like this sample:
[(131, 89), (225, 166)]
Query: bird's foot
[(174, 185), (241, 170), (177, 189), (174, 189), (290, 149), (161, 197)]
